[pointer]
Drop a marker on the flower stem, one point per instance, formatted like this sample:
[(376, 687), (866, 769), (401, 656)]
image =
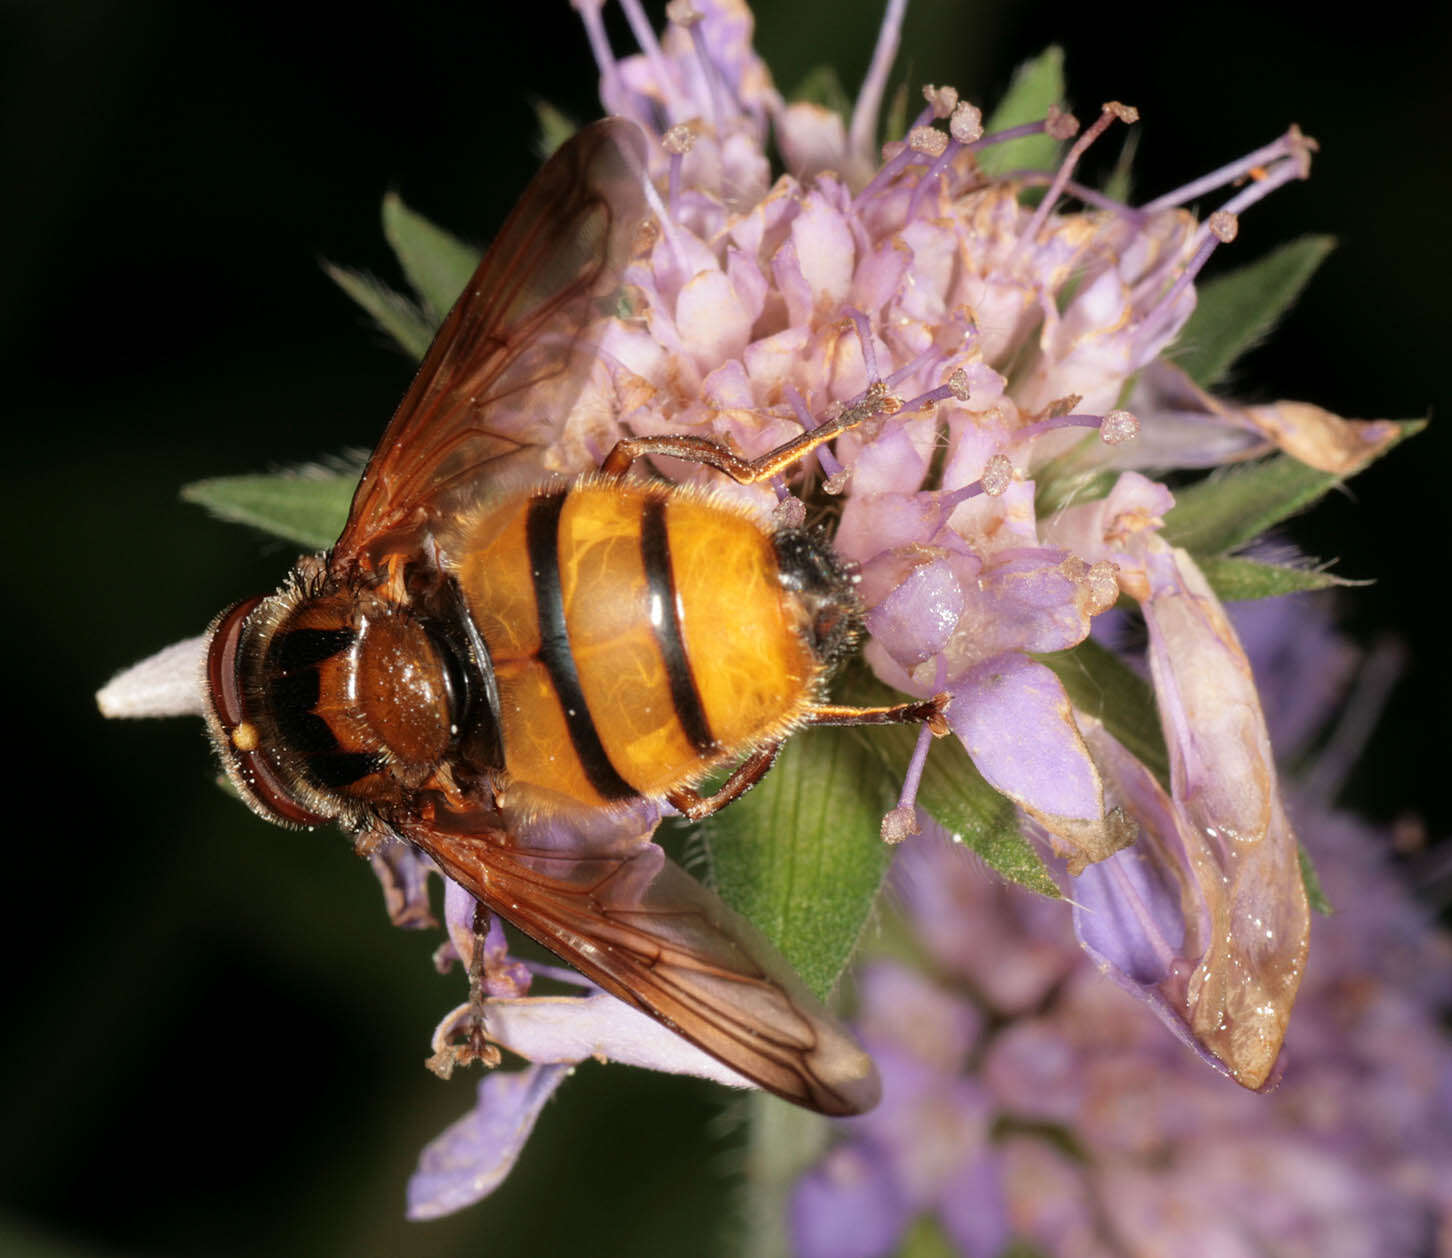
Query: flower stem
[(784, 1141)]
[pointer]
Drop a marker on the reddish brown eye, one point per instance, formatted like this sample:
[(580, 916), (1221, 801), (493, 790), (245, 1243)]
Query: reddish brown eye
[(237, 735), (222, 665)]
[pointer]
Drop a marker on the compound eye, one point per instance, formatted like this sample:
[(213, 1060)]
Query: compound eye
[(235, 730)]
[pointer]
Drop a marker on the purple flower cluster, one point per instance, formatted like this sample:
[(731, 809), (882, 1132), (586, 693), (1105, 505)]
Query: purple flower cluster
[(996, 342), (1026, 1098)]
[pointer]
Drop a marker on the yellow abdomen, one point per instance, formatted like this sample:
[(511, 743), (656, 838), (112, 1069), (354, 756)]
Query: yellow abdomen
[(640, 635)]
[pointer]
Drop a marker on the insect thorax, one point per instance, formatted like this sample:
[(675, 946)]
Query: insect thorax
[(337, 700)]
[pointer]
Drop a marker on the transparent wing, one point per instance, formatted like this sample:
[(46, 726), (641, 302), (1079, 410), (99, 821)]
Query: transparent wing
[(647, 932), (509, 360)]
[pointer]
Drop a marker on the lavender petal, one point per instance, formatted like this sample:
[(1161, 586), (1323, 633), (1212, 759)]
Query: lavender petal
[(1239, 843), (474, 1155), (1017, 724), (404, 877), (974, 1209), (1127, 914), (848, 1206)]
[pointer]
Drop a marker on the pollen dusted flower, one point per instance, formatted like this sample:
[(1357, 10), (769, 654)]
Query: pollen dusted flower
[(993, 341), (1001, 332), (1025, 1098)]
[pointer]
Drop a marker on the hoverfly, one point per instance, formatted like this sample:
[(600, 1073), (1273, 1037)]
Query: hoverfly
[(487, 647)]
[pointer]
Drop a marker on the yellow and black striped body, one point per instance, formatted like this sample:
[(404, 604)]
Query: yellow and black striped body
[(639, 634), (565, 647)]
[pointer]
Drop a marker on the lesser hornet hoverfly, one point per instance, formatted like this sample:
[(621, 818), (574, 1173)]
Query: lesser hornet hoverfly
[(486, 646)]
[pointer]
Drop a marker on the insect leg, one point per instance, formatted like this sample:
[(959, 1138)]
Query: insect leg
[(451, 1051), (927, 711), (692, 805), (875, 401)]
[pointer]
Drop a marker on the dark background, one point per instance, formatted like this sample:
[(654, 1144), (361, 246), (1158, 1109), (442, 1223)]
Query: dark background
[(213, 1039)]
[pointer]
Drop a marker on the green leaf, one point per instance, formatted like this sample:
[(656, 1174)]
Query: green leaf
[(1063, 1140), (960, 800), (391, 311), (306, 507), (555, 127), (1234, 507), (1066, 481), (1314, 893), (1103, 685), (1120, 184), (1036, 85), (952, 791), (436, 263), (801, 854), (926, 1239), (1238, 580), (783, 1142), (1235, 312), (821, 86), (895, 124)]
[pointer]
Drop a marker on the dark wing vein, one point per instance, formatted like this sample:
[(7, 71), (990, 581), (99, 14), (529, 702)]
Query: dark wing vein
[(508, 362), (647, 932)]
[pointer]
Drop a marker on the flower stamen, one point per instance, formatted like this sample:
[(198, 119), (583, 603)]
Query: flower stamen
[(966, 123), (831, 468), (997, 477), (684, 14), (1022, 131), (891, 168), (1058, 124), (922, 139), (863, 127), (1268, 168), (589, 11), (902, 821), (1293, 144), (1108, 112), (1115, 427), (668, 226), (911, 368), (929, 140), (933, 396), (677, 142), (864, 338), (944, 100), (645, 39)]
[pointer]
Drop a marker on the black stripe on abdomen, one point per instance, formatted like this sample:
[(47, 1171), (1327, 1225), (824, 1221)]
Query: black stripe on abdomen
[(655, 553), (542, 534)]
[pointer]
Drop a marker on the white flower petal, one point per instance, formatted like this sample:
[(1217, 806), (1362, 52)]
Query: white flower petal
[(825, 250), (711, 320), (572, 1028), (168, 683)]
